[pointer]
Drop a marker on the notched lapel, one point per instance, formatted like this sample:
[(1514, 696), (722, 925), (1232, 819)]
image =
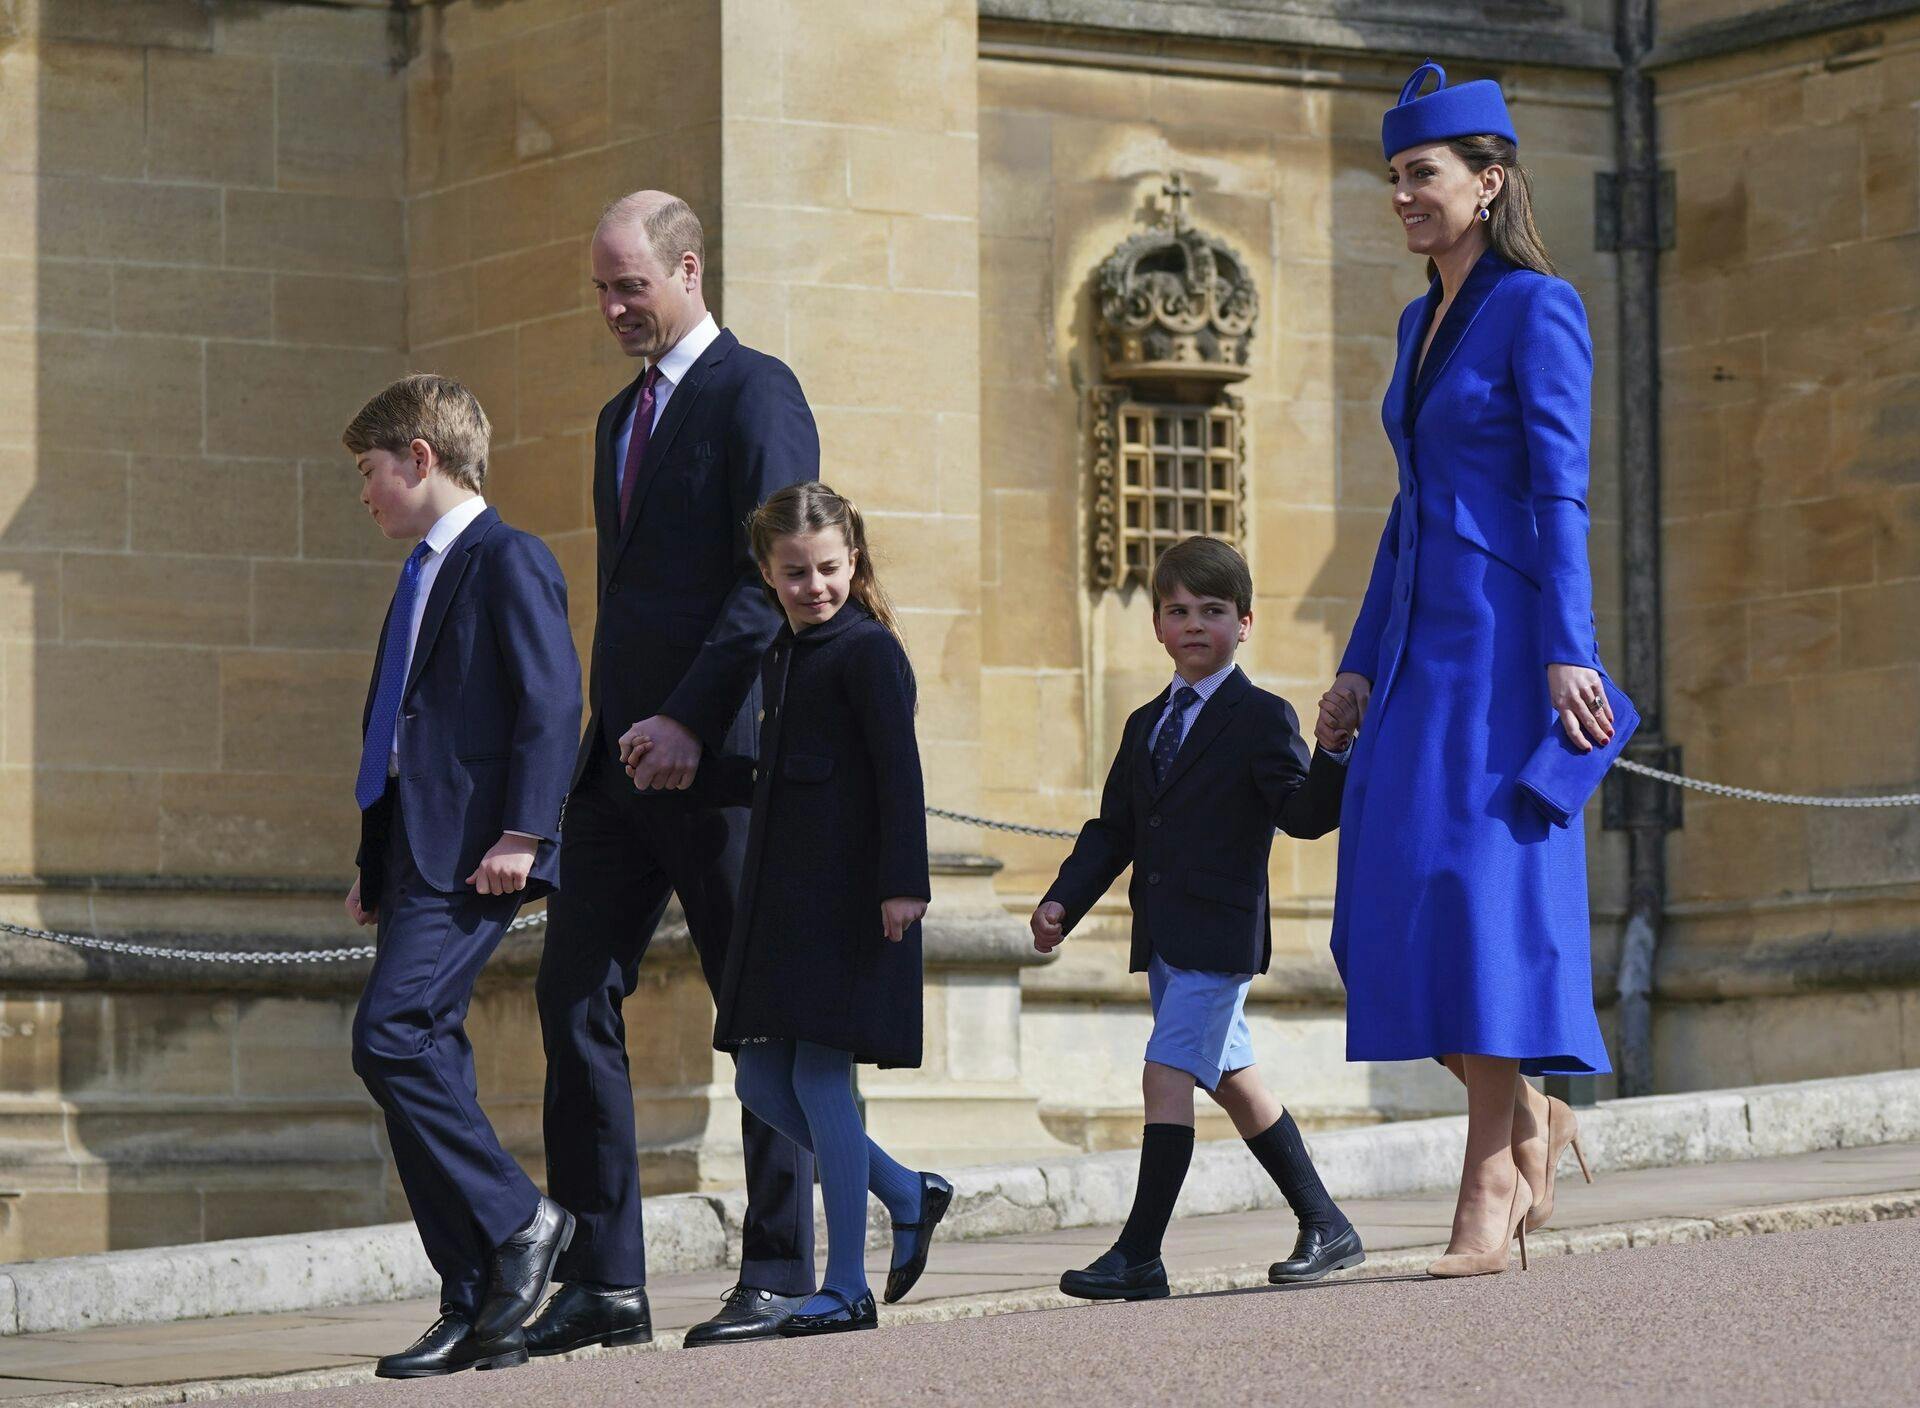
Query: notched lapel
[(679, 406), (459, 556), (1467, 305), (1212, 718)]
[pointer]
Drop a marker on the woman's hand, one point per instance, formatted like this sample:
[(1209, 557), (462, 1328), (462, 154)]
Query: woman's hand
[(899, 915), (1580, 699), (1342, 708)]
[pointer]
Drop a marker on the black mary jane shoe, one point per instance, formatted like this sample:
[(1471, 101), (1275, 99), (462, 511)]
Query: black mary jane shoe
[(936, 1196), (1112, 1277), (449, 1346), (858, 1314), (576, 1316), (747, 1314), (1318, 1253), (522, 1266)]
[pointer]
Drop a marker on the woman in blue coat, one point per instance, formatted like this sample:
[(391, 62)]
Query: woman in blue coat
[(1460, 920)]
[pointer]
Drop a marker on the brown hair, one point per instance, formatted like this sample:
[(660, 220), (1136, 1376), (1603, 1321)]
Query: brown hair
[(1510, 229), (436, 409), (812, 507), (1205, 567), (671, 227)]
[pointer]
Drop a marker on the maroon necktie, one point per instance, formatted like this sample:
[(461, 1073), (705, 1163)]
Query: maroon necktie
[(637, 441)]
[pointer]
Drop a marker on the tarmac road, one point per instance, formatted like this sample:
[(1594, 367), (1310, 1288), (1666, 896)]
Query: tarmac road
[(1831, 1316)]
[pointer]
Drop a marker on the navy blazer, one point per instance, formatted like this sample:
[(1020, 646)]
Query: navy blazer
[(683, 615), (1199, 842), (491, 712)]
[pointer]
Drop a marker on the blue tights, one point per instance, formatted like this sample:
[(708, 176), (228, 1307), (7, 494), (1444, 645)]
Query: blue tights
[(806, 1092)]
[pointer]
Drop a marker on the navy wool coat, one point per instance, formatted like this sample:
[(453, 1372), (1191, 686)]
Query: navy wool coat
[(1199, 842), (839, 824), (488, 722)]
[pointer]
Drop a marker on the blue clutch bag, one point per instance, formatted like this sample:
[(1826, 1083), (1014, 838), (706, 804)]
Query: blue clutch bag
[(1559, 777)]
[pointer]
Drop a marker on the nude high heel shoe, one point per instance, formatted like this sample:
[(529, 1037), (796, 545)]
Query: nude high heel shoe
[(1490, 1263), (1562, 1130)]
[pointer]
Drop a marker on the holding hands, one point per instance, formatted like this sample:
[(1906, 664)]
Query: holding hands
[(1580, 699), (1049, 926), (660, 755), (1342, 708)]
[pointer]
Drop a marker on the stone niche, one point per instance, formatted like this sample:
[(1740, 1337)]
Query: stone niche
[(1175, 309)]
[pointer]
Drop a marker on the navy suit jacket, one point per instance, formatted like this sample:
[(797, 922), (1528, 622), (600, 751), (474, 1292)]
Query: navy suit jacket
[(490, 716), (683, 615), (1199, 842)]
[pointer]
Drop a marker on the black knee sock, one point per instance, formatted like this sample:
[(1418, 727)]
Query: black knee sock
[(1165, 1152), (1283, 1154)]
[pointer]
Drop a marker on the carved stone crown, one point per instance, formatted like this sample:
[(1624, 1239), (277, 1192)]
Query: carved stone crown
[(1176, 304)]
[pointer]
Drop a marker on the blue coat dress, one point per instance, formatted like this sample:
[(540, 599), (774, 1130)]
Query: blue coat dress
[(1460, 915)]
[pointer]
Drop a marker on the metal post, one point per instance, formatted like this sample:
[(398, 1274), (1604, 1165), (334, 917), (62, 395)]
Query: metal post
[(1640, 191)]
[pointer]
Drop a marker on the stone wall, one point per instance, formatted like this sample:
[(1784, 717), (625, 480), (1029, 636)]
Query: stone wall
[(201, 252), (1791, 364)]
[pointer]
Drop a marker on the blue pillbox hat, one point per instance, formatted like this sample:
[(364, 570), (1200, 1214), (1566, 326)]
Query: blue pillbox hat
[(1467, 110)]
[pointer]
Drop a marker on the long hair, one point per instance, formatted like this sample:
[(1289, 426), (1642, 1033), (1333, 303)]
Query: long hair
[(1510, 229), (812, 507)]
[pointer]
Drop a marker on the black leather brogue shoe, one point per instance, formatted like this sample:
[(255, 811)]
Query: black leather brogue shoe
[(448, 1347), (848, 1315), (1316, 1253), (748, 1314), (522, 1265), (1112, 1276), (576, 1316), (936, 1196)]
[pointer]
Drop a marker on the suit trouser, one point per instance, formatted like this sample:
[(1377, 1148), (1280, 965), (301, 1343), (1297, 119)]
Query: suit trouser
[(622, 855), (410, 1047)]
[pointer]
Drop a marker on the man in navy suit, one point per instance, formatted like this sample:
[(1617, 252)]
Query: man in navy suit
[(467, 736), (681, 457)]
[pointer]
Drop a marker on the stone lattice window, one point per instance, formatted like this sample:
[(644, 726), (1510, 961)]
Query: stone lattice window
[(1179, 475), (1168, 440)]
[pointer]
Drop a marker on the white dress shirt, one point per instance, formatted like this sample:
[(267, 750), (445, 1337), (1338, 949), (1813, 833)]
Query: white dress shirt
[(674, 365)]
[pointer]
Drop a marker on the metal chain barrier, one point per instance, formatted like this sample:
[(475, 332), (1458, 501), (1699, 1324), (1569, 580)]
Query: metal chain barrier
[(1778, 799), (363, 952)]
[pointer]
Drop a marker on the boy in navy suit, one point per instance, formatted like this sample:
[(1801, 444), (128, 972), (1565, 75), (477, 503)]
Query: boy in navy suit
[(468, 741), (1204, 774)]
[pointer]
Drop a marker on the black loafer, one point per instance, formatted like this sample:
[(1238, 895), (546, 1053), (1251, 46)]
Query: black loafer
[(1113, 1277), (749, 1314), (936, 1196), (577, 1316), (849, 1315), (448, 1347), (522, 1266), (1316, 1253)]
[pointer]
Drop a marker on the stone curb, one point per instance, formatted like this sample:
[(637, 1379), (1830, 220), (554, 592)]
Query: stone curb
[(1619, 1236), (693, 1232)]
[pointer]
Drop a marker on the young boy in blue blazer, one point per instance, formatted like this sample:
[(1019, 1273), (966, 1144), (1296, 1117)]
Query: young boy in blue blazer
[(469, 732), (1205, 773)]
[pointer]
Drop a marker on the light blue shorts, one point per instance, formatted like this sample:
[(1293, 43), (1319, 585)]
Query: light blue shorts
[(1199, 1021)]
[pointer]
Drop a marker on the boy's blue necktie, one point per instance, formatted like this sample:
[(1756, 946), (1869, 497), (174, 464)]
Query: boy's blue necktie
[(371, 785), (1172, 732)]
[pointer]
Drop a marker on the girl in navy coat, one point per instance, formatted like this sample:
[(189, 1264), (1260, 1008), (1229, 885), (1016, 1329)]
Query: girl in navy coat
[(1460, 916), (824, 967)]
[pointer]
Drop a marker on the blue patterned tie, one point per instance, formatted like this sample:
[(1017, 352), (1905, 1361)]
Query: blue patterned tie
[(1171, 733), (371, 785)]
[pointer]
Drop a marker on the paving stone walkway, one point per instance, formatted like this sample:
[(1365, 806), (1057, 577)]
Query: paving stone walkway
[(969, 1277)]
